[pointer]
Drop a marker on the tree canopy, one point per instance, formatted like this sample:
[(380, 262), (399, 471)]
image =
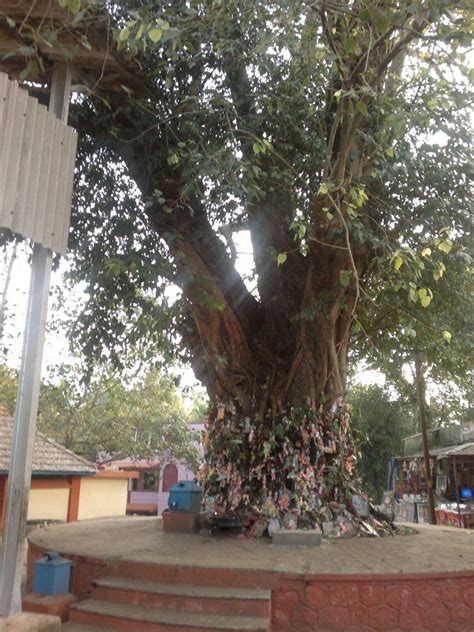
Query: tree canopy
[(337, 133)]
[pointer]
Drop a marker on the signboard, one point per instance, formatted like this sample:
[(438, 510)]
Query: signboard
[(37, 154)]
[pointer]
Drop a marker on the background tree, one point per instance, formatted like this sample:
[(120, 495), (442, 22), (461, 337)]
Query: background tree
[(380, 423), (8, 388), (105, 417), (102, 416)]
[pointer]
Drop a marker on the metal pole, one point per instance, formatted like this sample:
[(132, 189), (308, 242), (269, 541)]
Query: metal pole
[(420, 389), (19, 478), (456, 482)]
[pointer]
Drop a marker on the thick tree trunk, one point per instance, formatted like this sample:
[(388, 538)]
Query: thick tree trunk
[(297, 465)]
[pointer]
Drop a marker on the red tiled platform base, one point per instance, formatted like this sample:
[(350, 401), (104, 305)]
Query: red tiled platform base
[(428, 602), (439, 603), (57, 605)]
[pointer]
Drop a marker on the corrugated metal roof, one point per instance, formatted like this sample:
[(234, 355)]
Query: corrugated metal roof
[(463, 449), (466, 449), (48, 456)]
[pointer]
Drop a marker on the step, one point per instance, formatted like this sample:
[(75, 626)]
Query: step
[(70, 626), (123, 616), (196, 575), (206, 599)]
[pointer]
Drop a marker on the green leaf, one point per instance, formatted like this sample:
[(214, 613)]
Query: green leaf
[(412, 295), (74, 6), (281, 258), (438, 273), (173, 159), (155, 35), (398, 263), (426, 252), (163, 24), (445, 246), (362, 107), (422, 292), (323, 189), (411, 333), (447, 335), (345, 277), (425, 298), (390, 153), (124, 34)]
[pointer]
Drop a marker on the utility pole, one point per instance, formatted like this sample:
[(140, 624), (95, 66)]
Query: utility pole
[(19, 478), (420, 390)]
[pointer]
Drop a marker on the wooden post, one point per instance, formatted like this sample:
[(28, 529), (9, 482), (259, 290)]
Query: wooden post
[(420, 389), (19, 479), (456, 482), (74, 494)]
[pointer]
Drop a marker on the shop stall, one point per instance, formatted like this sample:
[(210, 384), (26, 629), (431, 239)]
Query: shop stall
[(452, 468)]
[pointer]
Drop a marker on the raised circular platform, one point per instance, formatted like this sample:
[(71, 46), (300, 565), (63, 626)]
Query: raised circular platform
[(416, 582)]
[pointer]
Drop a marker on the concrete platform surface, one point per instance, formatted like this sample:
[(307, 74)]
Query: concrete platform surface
[(29, 622), (432, 550)]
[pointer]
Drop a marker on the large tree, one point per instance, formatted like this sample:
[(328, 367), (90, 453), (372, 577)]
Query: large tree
[(337, 134)]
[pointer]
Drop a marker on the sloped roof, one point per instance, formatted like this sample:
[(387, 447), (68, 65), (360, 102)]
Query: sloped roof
[(464, 449), (87, 42), (132, 463), (48, 456)]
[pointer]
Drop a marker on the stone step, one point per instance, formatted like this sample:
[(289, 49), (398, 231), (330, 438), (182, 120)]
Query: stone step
[(123, 616), (70, 626), (205, 599), (195, 575)]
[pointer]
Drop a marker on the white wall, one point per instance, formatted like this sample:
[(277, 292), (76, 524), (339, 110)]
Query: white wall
[(102, 497), (48, 504)]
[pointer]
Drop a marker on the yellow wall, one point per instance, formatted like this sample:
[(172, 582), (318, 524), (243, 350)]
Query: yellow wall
[(102, 497), (48, 504)]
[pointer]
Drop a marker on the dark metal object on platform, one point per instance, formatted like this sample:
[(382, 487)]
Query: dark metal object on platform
[(227, 522)]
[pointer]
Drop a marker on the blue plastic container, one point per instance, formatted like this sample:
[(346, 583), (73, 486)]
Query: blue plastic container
[(185, 496), (52, 575)]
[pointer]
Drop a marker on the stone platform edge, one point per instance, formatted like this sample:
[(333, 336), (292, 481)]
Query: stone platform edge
[(427, 602)]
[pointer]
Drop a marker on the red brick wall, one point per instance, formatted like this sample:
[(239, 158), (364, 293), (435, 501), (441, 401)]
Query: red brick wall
[(428, 603)]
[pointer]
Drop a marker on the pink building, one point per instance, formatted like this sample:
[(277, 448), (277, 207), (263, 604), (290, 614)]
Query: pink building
[(148, 494)]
